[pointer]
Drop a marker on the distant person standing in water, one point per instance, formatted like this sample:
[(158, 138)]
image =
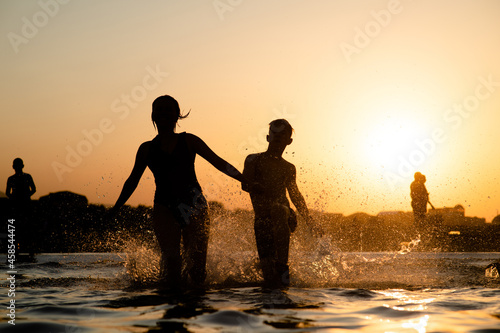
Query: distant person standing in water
[(20, 188), (419, 200), (180, 209), (272, 177)]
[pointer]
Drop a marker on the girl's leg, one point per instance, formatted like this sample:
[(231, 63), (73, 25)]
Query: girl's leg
[(195, 241), (168, 233)]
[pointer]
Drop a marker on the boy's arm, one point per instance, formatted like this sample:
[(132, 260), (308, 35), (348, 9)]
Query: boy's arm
[(300, 204), (296, 196)]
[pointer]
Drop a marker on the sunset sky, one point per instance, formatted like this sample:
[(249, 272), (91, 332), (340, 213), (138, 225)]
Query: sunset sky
[(375, 91)]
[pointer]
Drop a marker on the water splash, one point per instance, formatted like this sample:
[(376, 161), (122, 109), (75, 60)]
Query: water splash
[(232, 252), (142, 262), (232, 259), (407, 247), (315, 262)]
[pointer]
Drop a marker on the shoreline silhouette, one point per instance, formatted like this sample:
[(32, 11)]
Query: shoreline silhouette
[(63, 216)]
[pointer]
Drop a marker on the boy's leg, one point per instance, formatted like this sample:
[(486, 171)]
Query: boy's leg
[(168, 234), (280, 215), (264, 237)]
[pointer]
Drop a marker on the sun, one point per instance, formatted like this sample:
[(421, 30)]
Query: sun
[(389, 139)]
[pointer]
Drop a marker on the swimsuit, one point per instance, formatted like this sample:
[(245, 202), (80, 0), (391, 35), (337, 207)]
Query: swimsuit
[(177, 187)]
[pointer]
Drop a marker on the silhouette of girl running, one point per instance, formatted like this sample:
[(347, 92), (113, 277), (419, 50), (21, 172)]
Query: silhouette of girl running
[(180, 209)]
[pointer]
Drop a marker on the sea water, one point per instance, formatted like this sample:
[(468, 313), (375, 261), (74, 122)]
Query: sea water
[(330, 291), (375, 292)]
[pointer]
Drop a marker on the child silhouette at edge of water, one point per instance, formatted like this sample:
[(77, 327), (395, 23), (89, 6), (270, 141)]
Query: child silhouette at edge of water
[(20, 189)]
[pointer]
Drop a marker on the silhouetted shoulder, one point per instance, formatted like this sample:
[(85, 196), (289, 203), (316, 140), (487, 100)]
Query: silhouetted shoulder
[(145, 145), (195, 143), (143, 151), (289, 166), (191, 136), (192, 139), (252, 158)]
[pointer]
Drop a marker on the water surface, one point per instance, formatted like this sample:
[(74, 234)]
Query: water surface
[(351, 292)]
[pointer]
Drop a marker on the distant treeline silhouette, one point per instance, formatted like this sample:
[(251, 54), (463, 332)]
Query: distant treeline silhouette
[(66, 222)]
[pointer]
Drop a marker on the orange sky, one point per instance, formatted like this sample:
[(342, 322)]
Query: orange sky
[(375, 90)]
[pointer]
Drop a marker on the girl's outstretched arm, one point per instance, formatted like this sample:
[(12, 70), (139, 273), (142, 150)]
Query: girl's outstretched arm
[(201, 148), (133, 180)]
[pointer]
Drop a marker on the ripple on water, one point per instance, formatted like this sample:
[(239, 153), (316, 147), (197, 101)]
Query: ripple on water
[(73, 312), (230, 318), (391, 313), (358, 293)]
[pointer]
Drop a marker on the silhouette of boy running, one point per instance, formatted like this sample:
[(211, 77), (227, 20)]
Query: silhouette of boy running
[(271, 177)]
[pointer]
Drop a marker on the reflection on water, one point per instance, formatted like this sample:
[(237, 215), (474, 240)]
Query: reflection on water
[(371, 292), (419, 326)]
